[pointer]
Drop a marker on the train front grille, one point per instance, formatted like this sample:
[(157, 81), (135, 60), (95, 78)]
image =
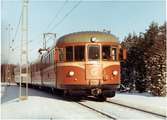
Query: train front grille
[(94, 74)]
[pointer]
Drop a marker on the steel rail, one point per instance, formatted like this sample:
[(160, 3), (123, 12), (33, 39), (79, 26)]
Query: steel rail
[(93, 109), (138, 109)]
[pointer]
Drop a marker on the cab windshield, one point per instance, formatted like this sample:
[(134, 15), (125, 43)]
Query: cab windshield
[(94, 52)]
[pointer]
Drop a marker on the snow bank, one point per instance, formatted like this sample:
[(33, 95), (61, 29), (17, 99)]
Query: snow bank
[(145, 102)]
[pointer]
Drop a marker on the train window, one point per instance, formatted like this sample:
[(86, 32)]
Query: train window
[(51, 57), (61, 54), (51, 61), (94, 52), (69, 53), (79, 53), (106, 52), (53, 51), (47, 60), (114, 53)]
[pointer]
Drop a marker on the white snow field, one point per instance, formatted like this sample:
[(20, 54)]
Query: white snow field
[(41, 105), (143, 101)]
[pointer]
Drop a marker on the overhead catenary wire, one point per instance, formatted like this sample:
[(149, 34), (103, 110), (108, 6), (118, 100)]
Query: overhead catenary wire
[(66, 15), (17, 27), (17, 30), (56, 15), (58, 12)]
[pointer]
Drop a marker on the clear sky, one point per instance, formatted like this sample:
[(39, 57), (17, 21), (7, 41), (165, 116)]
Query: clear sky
[(119, 16)]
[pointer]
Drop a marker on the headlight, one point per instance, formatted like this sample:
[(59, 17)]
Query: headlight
[(115, 72), (71, 73)]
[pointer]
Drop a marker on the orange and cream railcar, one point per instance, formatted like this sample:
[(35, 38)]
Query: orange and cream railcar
[(85, 63), (88, 63)]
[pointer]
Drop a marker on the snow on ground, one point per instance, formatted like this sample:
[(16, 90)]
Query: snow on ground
[(119, 112), (142, 101), (41, 105)]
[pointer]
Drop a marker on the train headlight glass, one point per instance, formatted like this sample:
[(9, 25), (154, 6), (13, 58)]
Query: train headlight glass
[(115, 72), (71, 73), (93, 39)]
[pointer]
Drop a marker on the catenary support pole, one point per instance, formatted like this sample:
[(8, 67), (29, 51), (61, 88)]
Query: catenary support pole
[(24, 51)]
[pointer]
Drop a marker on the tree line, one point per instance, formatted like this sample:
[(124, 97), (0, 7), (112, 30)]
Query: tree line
[(145, 67)]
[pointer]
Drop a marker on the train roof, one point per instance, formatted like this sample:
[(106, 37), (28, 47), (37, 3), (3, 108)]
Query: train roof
[(86, 37)]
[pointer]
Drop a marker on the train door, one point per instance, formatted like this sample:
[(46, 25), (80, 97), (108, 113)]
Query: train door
[(93, 64)]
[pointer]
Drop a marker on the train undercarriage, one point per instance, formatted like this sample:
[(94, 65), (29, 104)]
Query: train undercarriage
[(100, 92)]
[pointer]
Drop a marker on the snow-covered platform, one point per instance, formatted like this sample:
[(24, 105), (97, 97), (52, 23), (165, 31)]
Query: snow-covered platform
[(143, 101)]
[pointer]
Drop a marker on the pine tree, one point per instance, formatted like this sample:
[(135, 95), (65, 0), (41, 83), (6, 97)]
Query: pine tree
[(145, 67), (134, 66), (155, 59)]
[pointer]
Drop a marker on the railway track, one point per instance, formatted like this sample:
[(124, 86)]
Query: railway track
[(98, 111), (104, 110), (149, 112)]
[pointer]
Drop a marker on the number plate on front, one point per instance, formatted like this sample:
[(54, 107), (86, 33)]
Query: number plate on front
[(94, 82)]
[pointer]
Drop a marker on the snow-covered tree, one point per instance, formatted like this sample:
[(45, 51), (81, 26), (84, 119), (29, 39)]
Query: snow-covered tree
[(155, 59), (145, 67), (133, 70)]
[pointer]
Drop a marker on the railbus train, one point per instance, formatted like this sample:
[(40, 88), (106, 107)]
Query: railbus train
[(81, 63)]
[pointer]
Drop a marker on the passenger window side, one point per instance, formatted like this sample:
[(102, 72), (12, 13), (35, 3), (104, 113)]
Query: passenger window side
[(106, 52), (114, 53), (61, 54), (79, 53), (69, 53)]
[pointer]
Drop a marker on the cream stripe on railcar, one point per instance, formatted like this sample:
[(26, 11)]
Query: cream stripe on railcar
[(109, 63), (74, 64), (82, 64)]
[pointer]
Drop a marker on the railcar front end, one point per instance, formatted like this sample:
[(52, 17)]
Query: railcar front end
[(89, 64)]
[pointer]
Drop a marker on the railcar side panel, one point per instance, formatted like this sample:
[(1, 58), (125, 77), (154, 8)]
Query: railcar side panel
[(36, 78), (49, 76)]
